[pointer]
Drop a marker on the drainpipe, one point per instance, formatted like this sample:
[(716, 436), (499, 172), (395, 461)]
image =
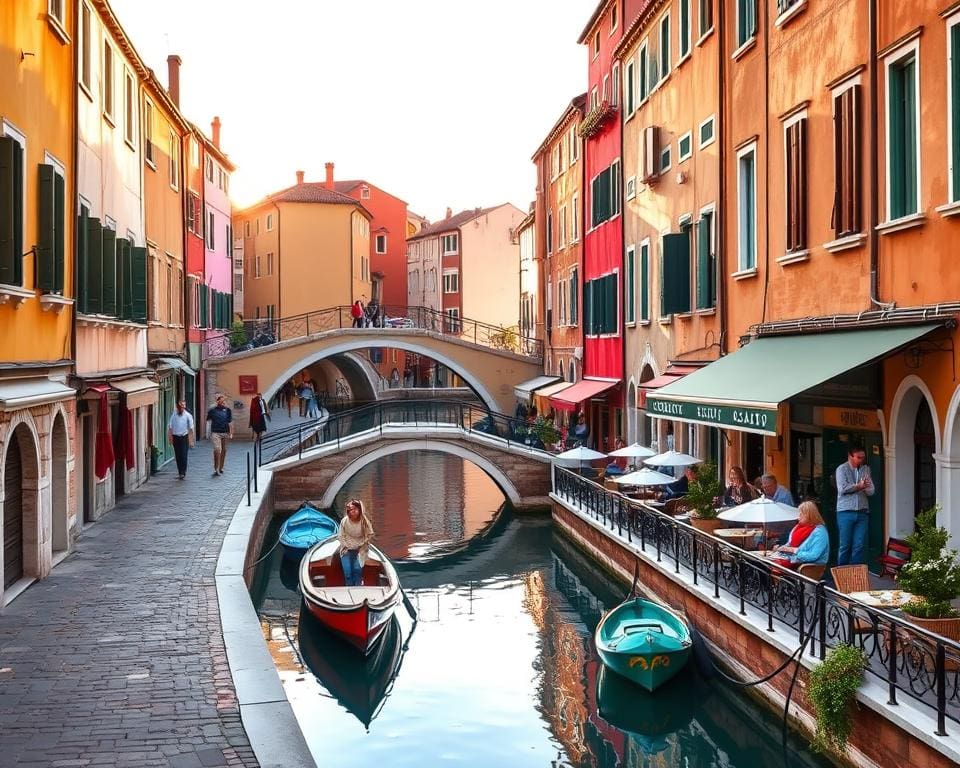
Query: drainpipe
[(279, 266), (766, 154), (873, 237), (721, 220), (76, 211)]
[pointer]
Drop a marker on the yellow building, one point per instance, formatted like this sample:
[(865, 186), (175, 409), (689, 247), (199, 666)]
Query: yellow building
[(305, 248), (37, 156)]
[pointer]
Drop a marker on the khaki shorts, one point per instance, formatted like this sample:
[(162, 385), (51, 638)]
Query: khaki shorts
[(219, 440)]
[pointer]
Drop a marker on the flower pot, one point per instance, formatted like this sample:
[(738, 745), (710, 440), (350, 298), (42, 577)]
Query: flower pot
[(948, 628), (707, 525)]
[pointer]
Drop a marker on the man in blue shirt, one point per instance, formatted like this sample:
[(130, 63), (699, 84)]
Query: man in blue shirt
[(854, 486), (220, 422), (774, 491)]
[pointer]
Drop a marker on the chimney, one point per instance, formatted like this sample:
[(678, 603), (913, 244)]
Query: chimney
[(299, 178), (173, 78), (449, 214), (215, 132), (329, 182)]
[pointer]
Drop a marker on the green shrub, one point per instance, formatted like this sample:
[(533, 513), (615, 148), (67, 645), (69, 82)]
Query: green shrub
[(933, 571), (703, 492), (238, 334), (833, 686)]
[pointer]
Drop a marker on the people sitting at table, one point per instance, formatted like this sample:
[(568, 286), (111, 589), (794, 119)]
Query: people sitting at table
[(808, 542), (681, 486), (774, 491), (618, 464), (739, 491)]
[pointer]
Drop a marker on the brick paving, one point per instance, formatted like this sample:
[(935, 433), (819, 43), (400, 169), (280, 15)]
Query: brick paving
[(117, 659)]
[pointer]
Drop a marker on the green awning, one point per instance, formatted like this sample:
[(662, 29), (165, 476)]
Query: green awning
[(744, 390)]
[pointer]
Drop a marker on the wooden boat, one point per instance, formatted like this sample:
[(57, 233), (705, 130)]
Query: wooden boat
[(644, 642), (358, 614), (359, 683), (304, 528)]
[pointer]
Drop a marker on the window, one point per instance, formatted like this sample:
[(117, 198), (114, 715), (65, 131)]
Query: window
[(129, 111), (706, 132), (574, 153), (605, 94), (51, 228), (795, 173), (108, 80), (574, 296), (174, 155), (684, 147), (194, 219), (364, 192), (903, 146), (550, 231), (746, 21), (148, 132), (453, 320), (269, 222), (451, 281), (85, 65), (785, 5), (631, 188), (228, 239), (55, 9), (211, 239), (685, 28), (555, 163), (615, 85), (629, 278), (596, 44), (194, 154), (600, 305), (605, 195), (747, 208), (643, 79), (675, 272), (594, 98), (246, 228), (12, 183), (616, 198), (381, 244), (257, 269), (575, 218), (451, 244), (706, 276), (209, 164), (665, 46), (613, 19), (238, 283), (705, 16), (665, 159), (628, 89), (563, 227), (953, 74), (269, 264), (846, 217), (645, 281)]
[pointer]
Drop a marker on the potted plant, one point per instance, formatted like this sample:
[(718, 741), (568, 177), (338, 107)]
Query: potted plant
[(932, 575), (833, 686), (701, 499), (545, 431), (154, 459), (238, 334)]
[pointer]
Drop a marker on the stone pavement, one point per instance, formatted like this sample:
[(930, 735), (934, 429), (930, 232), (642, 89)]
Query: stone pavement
[(117, 659)]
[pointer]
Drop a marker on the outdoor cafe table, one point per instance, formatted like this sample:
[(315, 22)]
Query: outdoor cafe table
[(891, 599), (739, 537)]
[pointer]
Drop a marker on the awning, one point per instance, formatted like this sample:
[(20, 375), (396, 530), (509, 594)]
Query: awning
[(553, 389), (26, 393), (524, 390), (744, 390), (139, 390), (177, 364), (569, 399), (669, 376)]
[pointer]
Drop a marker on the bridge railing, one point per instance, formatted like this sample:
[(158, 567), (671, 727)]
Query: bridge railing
[(906, 659), (264, 332), (336, 427)]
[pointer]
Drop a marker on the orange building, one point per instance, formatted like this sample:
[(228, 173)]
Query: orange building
[(37, 408), (838, 132)]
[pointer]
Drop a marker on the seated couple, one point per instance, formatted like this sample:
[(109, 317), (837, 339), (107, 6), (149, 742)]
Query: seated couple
[(808, 542)]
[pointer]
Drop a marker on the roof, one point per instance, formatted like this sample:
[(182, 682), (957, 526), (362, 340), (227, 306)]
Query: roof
[(598, 11), (640, 23), (577, 104), (308, 192), (348, 185), (213, 149), (454, 222)]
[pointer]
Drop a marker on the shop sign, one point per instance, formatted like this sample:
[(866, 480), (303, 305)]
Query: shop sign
[(742, 417), (852, 418), (248, 385)]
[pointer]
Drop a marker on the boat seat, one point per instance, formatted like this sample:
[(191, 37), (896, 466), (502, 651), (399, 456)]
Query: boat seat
[(351, 595), (636, 626)]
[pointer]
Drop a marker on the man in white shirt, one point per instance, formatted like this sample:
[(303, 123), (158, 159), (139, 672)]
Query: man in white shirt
[(180, 434)]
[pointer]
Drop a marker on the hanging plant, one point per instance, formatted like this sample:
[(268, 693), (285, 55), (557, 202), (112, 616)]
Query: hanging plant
[(833, 686)]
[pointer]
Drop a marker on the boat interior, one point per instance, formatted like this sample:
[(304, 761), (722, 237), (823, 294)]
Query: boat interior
[(327, 580)]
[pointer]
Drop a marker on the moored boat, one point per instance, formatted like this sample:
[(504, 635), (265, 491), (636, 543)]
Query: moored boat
[(304, 528), (358, 614), (643, 642)]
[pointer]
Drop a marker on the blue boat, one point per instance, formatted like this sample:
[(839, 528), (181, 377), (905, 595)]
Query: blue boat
[(304, 528), (643, 642)]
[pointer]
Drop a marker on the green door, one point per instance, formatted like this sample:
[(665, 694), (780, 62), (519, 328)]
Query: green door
[(836, 443)]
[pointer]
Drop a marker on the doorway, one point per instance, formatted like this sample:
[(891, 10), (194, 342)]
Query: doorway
[(924, 465), (836, 446), (12, 513), (753, 465), (58, 485)]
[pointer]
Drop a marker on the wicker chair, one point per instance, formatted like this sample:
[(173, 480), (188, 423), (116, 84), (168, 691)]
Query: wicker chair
[(812, 571), (853, 578)]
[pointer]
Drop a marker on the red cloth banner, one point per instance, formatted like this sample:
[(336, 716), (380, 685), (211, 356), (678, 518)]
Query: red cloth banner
[(104, 456)]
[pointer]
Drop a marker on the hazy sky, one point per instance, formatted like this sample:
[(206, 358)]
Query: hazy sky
[(440, 102)]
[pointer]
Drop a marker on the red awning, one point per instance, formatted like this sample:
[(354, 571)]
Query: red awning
[(569, 398), (672, 374)]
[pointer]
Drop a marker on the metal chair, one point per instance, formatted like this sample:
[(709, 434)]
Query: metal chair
[(898, 552)]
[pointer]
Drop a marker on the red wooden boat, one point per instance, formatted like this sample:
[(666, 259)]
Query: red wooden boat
[(358, 614)]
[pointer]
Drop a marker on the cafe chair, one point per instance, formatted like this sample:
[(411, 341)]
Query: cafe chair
[(812, 571), (898, 552), (853, 578), (676, 507)]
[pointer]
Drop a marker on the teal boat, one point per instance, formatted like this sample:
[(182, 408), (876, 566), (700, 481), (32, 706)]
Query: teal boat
[(304, 528), (643, 642)]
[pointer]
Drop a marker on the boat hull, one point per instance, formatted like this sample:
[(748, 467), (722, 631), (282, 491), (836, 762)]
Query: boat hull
[(304, 528), (360, 626), (648, 670)]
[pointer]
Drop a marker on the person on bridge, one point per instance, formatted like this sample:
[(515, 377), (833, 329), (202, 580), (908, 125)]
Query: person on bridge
[(356, 532), (356, 312), (220, 424), (259, 416)]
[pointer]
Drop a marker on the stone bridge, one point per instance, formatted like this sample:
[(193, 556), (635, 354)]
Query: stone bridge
[(523, 474)]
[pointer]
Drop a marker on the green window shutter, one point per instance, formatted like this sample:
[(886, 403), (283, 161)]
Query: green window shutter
[(630, 277), (610, 303), (229, 311), (138, 283), (644, 282), (955, 108), (574, 297), (94, 282), (80, 264), (204, 305), (60, 239), (109, 273), (704, 276), (11, 211), (910, 135), (120, 263), (676, 273), (125, 286), (594, 203), (588, 307), (44, 259), (902, 142)]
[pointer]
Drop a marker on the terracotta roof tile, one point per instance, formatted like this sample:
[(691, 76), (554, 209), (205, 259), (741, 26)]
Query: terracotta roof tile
[(310, 192), (454, 222)]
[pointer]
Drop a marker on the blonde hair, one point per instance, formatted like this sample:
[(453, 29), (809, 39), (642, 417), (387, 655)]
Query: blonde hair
[(812, 513)]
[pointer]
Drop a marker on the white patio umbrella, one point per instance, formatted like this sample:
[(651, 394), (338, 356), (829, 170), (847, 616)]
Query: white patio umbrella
[(645, 476), (672, 459), (635, 451), (578, 456), (763, 511)]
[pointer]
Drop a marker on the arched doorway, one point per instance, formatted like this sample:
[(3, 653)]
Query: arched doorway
[(632, 413), (924, 465), (646, 434), (58, 485), (910, 468), (20, 475)]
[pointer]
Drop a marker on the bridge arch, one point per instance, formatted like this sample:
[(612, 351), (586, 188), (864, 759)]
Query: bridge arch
[(504, 483)]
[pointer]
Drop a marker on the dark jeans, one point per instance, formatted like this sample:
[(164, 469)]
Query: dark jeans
[(180, 445), (852, 527)]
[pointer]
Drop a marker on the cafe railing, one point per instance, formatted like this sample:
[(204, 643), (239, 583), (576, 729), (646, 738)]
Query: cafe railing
[(907, 659)]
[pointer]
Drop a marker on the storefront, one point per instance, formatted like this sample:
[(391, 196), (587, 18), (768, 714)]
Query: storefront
[(524, 392), (600, 402), (172, 375)]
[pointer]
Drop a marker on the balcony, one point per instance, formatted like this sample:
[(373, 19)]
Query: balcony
[(596, 118)]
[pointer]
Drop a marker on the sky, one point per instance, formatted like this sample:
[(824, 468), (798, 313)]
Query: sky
[(439, 102)]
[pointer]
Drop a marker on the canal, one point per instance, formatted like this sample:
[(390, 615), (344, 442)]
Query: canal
[(499, 668)]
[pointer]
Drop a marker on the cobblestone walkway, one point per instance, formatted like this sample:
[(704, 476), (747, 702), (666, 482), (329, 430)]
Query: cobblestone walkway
[(117, 659)]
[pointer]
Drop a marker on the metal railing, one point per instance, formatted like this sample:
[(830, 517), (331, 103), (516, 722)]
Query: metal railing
[(906, 658), (264, 332)]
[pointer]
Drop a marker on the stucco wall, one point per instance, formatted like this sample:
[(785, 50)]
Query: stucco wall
[(490, 264)]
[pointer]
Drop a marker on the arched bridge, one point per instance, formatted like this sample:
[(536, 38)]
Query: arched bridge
[(491, 360)]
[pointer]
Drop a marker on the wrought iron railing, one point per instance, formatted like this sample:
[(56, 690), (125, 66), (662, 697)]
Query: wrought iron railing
[(264, 332), (907, 659)]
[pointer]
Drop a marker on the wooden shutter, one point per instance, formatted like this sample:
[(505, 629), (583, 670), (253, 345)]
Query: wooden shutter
[(676, 273), (629, 287), (644, 282), (704, 276), (574, 295), (846, 219), (81, 264), (44, 259), (11, 211), (125, 285), (895, 142), (138, 284), (588, 307), (795, 153), (108, 275), (94, 266), (651, 152), (60, 238), (204, 305)]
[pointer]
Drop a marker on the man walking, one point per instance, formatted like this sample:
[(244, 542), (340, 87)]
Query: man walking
[(854, 485), (180, 434), (220, 424)]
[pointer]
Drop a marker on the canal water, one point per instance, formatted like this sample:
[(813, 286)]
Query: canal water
[(499, 667)]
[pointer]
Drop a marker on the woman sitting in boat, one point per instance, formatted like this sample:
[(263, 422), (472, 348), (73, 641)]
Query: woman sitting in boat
[(356, 531), (808, 542), (739, 491)]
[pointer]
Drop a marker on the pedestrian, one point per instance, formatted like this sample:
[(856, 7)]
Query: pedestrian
[(356, 312), (854, 486), (356, 531), (259, 416), (180, 433), (220, 424), (306, 397)]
